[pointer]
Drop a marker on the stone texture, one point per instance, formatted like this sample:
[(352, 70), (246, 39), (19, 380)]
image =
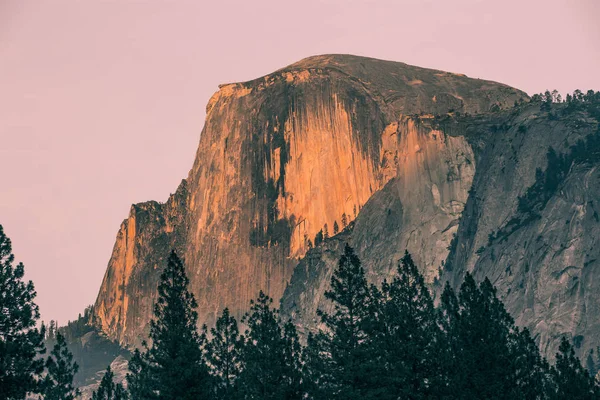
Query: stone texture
[(282, 156), (417, 210), (546, 269)]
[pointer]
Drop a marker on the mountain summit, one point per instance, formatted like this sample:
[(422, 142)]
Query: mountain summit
[(381, 154)]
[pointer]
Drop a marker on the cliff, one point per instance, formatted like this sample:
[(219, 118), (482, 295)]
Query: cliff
[(531, 222), (327, 139), (525, 215)]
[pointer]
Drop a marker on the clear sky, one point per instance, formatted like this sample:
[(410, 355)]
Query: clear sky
[(102, 101)]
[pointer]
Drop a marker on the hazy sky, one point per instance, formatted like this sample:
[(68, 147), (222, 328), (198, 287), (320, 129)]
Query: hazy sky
[(102, 102)]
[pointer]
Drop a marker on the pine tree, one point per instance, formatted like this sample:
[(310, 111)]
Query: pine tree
[(336, 228), (325, 232), (172, 367), (570, 379), (486, 355), (339, 355), (223, 354), (530, 370), (344, 220), (139, 378), (51, 335), (270, 355), (20, 341), (405, 336), (60, 372), (108, 390), (319, 238)]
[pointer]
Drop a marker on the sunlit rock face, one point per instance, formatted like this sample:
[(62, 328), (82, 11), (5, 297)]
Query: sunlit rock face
[(418, 210), (280, 158), (544, 264)]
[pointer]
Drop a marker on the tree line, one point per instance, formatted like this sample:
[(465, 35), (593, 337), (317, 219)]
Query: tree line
[(25, 370), (387, 341)]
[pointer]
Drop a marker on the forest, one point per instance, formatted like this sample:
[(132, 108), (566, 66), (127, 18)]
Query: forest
[(387, 341)]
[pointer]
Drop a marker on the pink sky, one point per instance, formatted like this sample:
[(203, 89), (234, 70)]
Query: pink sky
[(102, 102)]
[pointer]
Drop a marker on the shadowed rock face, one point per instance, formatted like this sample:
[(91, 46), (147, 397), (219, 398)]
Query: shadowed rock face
[(283, 156), (544, 262)]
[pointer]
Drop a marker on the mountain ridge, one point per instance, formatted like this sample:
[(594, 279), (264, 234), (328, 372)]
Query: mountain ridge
[(287, 155)]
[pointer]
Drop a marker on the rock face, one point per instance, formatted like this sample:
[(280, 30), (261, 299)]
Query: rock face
[(328, 139), (542, 255), (538, 247)]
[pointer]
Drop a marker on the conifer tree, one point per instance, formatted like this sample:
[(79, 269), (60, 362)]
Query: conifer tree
[(482, 334), (319, 238), (486, 355), (223, 354), (344, 220), (172, 367), (336, 228), (60, 372), (139, 378), (405, 336), (339, 354), (108, 389), (531, 370), (570, 380), (270, 355), (20, 341), (51, 335)]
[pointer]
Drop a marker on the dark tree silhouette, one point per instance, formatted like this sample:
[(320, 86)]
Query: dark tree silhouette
[(172, 366), (20, 341)]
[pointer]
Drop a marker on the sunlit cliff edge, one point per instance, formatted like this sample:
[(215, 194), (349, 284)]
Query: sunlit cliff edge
[(327, 139)]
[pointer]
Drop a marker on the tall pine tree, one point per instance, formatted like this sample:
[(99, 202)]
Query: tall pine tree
[(60, 372), (139, 378), (108, 389), (270, 355), (223, 354), (486, 355), (172, 367), (20, 341), (570, 380), (404, 337), (339, 355)]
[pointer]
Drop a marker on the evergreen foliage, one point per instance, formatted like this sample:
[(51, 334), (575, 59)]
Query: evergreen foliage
[(20, 341), (487, 355), (108, 389), (341, 356), (376, 342), (405, 338), (57, 383), (172, 367), (336, 228), (139, 378), (319, 238), (271, 355), (570, 379), (223, 354)]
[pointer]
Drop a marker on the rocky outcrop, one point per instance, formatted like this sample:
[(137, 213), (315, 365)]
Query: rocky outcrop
[(536, 242), (144, 240), (282, 157), (417, 210)]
